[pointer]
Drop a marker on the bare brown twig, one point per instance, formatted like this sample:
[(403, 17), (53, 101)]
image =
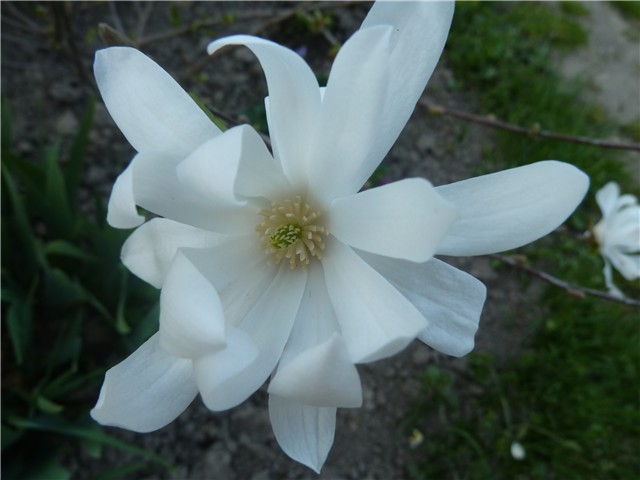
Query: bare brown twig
[(534, 132), (272, 21), (575, 290)]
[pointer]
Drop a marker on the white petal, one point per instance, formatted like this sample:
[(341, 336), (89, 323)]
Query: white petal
[(511, 208), (351, 110), (121, 209), (450, 299), (191, 317), (420, 31), (268, 324), (315, 367), (157, 188), (294, 100), (214, 369), (608, 280), (405, 219), (232, 164), (323, 376), (623, 229), (305, 433), (316, 321), (627, 265), (146, 391), (151, 109), (607, 198), (376, 320), (149, 250), (230, 261)]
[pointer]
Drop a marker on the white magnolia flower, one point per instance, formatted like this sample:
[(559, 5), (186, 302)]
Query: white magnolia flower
[(276, 265), (618, 234)]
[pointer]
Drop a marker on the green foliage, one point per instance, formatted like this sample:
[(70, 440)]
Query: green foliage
[(502, 53), (632, 130), (628, 9), (64, 292), (571, 399)]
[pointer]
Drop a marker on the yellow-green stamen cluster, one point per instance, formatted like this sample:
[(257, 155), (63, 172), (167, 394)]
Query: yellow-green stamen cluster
[(289, 230)]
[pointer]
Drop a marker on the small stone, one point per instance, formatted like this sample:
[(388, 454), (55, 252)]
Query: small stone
[(66, 124), (66, 91)]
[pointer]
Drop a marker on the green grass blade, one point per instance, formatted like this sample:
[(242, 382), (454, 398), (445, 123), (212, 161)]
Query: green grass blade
[(92, 433), (6, 128), (75, 164), (59, 218)]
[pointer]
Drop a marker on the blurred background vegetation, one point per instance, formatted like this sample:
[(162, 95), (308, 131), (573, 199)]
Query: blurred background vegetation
[(570, 398)]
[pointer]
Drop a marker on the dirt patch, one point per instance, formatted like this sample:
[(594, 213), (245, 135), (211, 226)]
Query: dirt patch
[(609, 64)]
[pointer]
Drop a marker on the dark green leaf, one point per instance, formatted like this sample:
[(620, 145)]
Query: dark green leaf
[(70, 381), (59, 218), (86, 432), (146, 327), (19, 323), (10, 435), (217, 121), (93, 448), (62, 247), (47, 406), (120, 472), (174, 13), (121, 323), (61, 291), (23, 226), (74, 166), (6, 128), (51, 470)]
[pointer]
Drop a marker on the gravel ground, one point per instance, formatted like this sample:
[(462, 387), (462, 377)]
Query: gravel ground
[(48, 88)]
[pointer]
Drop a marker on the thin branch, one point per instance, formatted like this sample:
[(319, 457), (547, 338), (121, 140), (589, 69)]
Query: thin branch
[(272, 21), (533, 132), (28, 24), (572, 289), (329, 37)]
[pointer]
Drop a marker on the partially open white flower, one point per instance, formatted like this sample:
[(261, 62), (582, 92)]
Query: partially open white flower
[(276, 265), (618, 234)]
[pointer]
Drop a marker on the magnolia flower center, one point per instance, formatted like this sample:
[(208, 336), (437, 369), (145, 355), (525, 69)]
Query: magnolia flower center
[(290, 230)]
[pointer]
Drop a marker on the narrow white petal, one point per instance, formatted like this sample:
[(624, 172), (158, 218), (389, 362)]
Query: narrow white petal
[(157, 188), (376, 320), (151, 109), (232, 166), (216, 368), (420, 31), (149, 250), (607, 198), (294, 99), (315, 367), (627, 265), (191, 317), (350, 115), (305, 433), (608, 279), (450, 299), (511, 208), (268, 324), (405, 219), (121, 209), (316, 321), (323, 376), (146, 391)]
